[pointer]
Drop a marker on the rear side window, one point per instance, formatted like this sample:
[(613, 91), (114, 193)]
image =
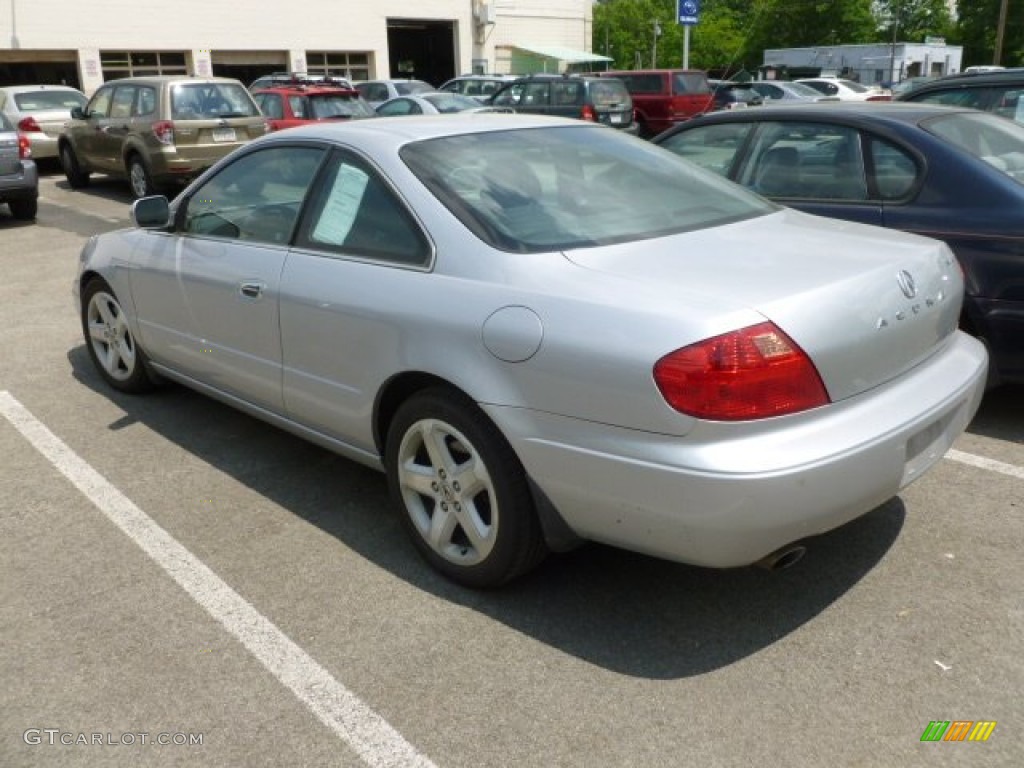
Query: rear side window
[(895, 170), (975, 98), (566, 94), (642, 84)]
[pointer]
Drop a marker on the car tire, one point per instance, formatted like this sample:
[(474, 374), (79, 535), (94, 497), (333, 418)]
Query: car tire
[(24, 210), (139, 179), (110, 342), (77, 178), (464, 494)]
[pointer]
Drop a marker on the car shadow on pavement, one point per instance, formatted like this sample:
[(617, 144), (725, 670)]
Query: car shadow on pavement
[(1001, 415), (631, 614), (105, 187)]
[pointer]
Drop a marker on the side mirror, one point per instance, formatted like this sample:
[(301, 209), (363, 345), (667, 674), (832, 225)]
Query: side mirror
[(151, 212), (78, 113)]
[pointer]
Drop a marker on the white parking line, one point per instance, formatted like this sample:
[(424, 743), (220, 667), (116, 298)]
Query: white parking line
[(982, 463), (366, 732)]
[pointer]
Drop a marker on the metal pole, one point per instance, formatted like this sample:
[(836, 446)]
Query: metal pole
[(1000, 30), (654, 48), (892, 50), (686, 46)]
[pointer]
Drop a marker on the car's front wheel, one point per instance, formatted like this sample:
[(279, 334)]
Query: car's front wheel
[(465, 497), (109, 339)]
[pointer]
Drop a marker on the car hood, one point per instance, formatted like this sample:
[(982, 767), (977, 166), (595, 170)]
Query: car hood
[(865, 303)]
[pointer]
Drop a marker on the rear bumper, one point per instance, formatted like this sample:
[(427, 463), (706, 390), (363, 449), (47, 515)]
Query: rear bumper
[(22, 185), (728, 494)]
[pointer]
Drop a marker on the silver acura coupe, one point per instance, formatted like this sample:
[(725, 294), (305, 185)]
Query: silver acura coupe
[(545, 332)]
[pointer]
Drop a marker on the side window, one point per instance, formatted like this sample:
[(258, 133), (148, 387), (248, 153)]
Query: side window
[(452, 87), (256, 198), (807, 160), (566, 94), (124, 98), (509, 97), (1008, 103), (355, 213), (769, 91), (99, 106), (377, 92), (712, 146), (535, 95), (395, 107), (895, 170), (272, 106), (299, 108), (146, 102)]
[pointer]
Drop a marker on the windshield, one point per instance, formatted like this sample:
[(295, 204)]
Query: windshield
[(997, 141), (338, 105), (39, 101), (548, 189), (194, 101)]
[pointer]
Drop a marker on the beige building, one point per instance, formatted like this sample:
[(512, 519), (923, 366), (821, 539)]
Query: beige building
[(87, 42)]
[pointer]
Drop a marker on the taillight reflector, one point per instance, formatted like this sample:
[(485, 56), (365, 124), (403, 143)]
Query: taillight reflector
[(588, 113), (753, 373), (24, 147), (164, 131), (29, 125)]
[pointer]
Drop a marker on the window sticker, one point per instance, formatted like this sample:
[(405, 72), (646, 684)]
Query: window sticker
[(341, 207)]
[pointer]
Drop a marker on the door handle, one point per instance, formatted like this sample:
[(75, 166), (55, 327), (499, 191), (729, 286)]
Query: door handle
[(251, 290)]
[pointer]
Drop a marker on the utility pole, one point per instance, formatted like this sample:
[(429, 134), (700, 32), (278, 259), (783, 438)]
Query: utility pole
[(654, 48), (997, 54), (892, 49)]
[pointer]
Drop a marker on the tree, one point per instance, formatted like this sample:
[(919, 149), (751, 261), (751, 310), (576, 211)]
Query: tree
[(976, 30), (913, 20)]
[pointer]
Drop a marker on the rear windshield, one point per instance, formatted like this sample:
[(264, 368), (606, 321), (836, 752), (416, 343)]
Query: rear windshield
[(343, 105), (39, 101), (606, 93), (689, 82), (556, 188), (997, 141), (413, 87), (198, 101)]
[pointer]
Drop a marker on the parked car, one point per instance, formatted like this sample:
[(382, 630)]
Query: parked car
[(376, 92), (19, 178), (585, 97), (292, 104), (998, 91), (727, 94), (158, 130), (845, 90), (39, 112), (772, 91), (909, 84), (664, 97), (479, 87), (436, 103), (544, 331), (296, 78), (953, 174)]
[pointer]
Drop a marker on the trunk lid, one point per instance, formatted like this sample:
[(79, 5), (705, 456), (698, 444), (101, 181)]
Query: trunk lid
[(866, 304)]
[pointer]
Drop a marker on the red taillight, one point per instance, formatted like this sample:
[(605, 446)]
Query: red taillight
[(588, 113), (752, 373), (29, 125), (164, 131), (24, 147)]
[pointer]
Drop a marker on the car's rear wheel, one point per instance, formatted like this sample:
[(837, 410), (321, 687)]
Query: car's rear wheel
[(466, 501), (108, 337), (73, 172), (24, 210), (139, 178)]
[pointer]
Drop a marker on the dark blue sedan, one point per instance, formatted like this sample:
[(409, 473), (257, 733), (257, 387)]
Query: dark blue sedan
[(945, 172)]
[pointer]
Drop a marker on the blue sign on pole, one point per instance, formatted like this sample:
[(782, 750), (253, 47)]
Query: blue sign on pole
[(687, 11)]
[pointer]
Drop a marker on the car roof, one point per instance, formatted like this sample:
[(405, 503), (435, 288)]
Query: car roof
[(33, 88), (853, 112), (314, 89), (395, 132), (1001, 76), (161, 79)]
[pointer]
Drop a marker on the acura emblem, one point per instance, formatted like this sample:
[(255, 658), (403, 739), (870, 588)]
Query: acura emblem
[(907, 285)]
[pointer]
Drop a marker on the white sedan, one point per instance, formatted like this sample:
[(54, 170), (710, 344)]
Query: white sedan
[(845, 90), (545, 332)]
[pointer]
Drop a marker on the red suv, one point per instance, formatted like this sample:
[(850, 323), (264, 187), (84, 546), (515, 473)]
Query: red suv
[(301, 102), (664, 97)]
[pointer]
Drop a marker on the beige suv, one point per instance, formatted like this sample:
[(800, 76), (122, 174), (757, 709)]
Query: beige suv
[(158, 131)]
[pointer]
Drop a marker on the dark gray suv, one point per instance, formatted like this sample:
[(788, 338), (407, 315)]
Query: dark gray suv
[(998, 92), (597, 99)]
